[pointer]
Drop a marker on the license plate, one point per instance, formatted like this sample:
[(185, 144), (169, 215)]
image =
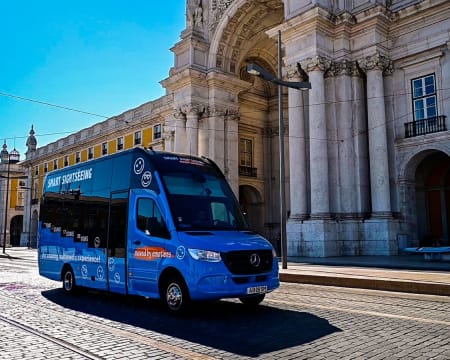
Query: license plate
[(256, 290)]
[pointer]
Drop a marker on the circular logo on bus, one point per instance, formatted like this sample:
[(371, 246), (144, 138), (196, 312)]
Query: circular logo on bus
[(100, 273), (97, 242), (139, 165), (111, 264), (146, 179)]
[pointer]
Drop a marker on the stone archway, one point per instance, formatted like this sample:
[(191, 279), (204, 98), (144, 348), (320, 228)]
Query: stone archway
[(15, 229), (424, 185), (432, 181), (252, 207)]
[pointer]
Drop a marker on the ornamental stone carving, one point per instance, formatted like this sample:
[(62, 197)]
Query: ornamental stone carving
[(344, 67), (218, 8), (317, 63), (194, 14), (376, 62), (192, 109), (294, 72)]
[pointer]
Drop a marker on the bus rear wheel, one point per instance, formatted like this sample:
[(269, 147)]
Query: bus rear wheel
[(68, 279), (175, 295)]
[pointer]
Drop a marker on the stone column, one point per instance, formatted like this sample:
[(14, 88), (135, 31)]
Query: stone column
[(297, 149), (231, 147), (378, 152), (343, 71), (320, 202), (361, 138), (192, 112), (203, 136), (216, 135), (180, 131)]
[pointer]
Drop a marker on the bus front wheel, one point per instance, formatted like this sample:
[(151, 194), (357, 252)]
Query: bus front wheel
[(252, 300), (68, 281), (175, 295)]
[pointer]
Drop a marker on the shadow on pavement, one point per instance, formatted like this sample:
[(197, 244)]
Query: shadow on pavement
[(222, 325)]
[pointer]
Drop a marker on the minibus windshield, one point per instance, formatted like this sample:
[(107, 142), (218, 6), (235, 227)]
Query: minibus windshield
[(200, 199)]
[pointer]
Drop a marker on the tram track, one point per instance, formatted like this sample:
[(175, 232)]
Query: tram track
[(61, 343), (93, 326)]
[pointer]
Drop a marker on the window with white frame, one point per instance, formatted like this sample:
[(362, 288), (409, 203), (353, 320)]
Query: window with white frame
[(77, 157), (138, 138), (45, 167), (120, 143), (66, 160), (36, 170), (157, 132), (55, 164), (424, 97), (104, 148), (90, 153)]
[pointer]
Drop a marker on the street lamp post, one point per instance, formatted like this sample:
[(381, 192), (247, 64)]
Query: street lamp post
[(256, 70)]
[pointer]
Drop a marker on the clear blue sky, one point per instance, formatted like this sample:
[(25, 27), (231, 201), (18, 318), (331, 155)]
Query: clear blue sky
[(99, 56)]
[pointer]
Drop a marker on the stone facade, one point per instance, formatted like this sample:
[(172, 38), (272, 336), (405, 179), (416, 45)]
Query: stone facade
[(366, 148)]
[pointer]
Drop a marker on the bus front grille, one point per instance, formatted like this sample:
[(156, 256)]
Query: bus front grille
[(248, 262)]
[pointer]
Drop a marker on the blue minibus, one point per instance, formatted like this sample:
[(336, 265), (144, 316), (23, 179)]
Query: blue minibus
[(151, 223)]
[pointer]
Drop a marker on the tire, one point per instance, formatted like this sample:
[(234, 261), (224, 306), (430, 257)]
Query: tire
[(253, 300), (175, 295), (68, 280)]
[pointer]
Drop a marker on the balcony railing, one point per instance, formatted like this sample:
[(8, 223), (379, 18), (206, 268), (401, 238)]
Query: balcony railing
[(425, 126), (248, 171)]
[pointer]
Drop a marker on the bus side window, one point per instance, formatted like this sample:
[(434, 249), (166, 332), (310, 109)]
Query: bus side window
[(150, 220)]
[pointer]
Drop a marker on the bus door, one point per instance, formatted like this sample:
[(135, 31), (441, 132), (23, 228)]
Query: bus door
[(117, 240), (149, 246)]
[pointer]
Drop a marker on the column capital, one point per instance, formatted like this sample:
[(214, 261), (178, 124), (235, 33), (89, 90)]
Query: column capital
[(376, 62), (233, 115), (317, 63), (192, 109), (344, 67), (216, 110), (294, 72)]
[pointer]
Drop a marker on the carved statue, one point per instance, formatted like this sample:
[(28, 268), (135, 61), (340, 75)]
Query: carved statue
[(195, 13)]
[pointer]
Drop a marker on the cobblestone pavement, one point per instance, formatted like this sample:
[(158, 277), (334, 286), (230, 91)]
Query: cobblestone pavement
[(38, 321)]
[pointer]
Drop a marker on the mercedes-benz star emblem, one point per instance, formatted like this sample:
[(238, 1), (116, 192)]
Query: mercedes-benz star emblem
[(255, 260)]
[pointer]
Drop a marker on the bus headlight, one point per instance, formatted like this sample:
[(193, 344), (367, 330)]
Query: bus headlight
[(205, 255)]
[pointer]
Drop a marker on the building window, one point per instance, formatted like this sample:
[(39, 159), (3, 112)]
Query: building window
[(104, 148), (246, 152), (90, 153), (246, 158), (22, 183), (120, 143), (45, 167), (77, 157), (424, 97), (157, 132), (20, 198), (138, 138), (36, 170), (66, 160), (55, 164)]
